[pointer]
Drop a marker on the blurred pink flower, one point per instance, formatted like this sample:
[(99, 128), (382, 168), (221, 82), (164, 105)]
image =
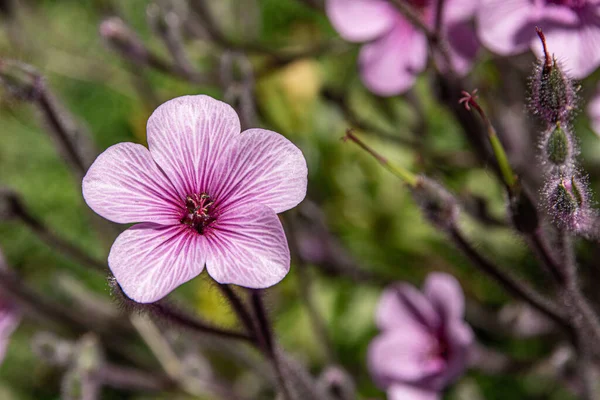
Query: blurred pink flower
[(593, 110), (424, 343), (396, 51), (204, 194), (9, 317), (572, 29)]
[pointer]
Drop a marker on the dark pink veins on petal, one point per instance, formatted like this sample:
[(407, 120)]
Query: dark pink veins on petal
[(568, 3), (200, 213)]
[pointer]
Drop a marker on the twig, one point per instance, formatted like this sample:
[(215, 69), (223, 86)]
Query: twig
[(515, 286), (268, 342)]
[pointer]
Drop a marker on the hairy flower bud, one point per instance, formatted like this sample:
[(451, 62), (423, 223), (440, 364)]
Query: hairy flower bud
[(437, 204), (558, 148), (567, 201), (337, 383), (21, 80), (552, 92)]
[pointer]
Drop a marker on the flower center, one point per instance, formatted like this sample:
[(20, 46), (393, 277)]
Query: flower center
[(568, 3), (199, 214), (419, 4)]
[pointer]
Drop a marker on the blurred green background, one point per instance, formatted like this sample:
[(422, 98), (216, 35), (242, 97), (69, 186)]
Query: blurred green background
[(365, 207)]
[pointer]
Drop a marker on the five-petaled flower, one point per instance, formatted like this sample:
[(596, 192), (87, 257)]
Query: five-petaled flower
[(396, 51), (9, 317), (203, 194), (572, 29), (424, 343)]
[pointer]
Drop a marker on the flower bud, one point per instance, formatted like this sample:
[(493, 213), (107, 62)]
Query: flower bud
[(552, 92), (522, 211), (338, 384), (558, 147), (437, 204), (21, 80), (567, 202)]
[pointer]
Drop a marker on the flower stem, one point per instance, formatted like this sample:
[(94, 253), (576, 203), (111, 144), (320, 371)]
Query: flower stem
[(508, 176), (268, 341), (408, 177), (512, 284), (183, 319)]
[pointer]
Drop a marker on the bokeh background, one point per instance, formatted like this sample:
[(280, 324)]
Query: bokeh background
[(377, 231)]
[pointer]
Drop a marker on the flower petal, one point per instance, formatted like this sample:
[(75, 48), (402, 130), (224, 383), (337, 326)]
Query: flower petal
[(446, 296), (459, 337), (150, 260), (187, 136), (403, 305), (577, 45), (407, 392), (262, 167), (125, 185), (506, 26), (360, 20), (9, 320), (464, 45), (247, 247), (390, 65), (593, 110), (402, 355)]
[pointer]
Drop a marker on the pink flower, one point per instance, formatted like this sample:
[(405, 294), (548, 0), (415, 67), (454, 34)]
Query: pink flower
[(9, 317), (424, 342), (204, 194), (572, 29), (593, 110), (396, 51)]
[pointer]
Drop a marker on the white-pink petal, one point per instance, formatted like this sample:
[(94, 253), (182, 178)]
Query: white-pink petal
[(446, 295), (125, 185), (576, 46), (361, 20), (402, 305), (9, 320), (261, 167), (403, 355), (408, 392), (150, 260), (506, 27), (247, 247), (187, 136), (390, 64)]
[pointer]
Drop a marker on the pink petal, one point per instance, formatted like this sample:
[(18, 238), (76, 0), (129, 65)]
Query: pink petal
[(9, 320), (446, 296), (460, 10), (247, 247), (593, 110), (261, 167), (150, 260), (125, 185), (459, 338), (360, 20), (408, 392), (506, 27), (464, 45), (390, 65), (402, 305), (402, 355), (576, 46), (187, 136)]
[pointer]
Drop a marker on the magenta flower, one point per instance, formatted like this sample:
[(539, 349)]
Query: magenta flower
[(572, 29), (204, 194), (424, 342), (9, 317), (396, 51)]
